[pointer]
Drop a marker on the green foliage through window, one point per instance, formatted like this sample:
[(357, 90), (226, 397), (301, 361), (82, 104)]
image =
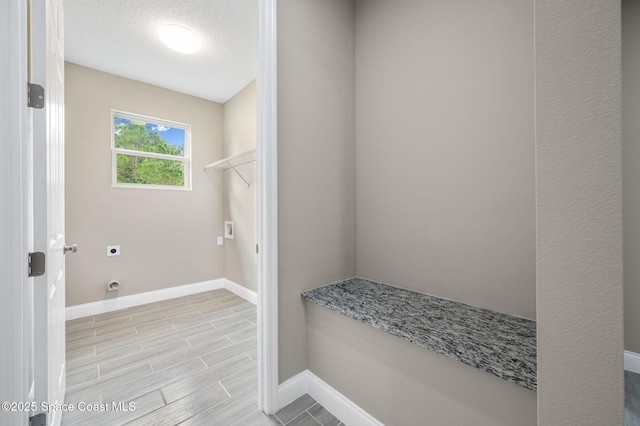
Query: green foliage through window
[(149, 171), (154, 138)]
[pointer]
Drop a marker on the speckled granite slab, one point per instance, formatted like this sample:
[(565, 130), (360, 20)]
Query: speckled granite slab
[(497, 343)]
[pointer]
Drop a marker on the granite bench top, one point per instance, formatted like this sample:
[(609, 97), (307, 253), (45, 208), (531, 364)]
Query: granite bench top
[(500, 344)]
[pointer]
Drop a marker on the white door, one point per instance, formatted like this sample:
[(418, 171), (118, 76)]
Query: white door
[(48, 203)]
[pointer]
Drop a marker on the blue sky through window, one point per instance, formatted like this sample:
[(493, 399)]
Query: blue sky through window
[(173, 135)]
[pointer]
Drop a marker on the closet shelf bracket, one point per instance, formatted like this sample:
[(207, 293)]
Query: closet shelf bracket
[(233, 162)]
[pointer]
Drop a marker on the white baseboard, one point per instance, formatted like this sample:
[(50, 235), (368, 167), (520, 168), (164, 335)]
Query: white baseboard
[(103, 306), (293, 389), (632, 362), (336, 403), (245, 293)]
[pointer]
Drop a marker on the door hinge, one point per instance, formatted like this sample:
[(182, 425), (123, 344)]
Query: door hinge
[(257, 249), (35, 97), (38, 420), (37, 264)]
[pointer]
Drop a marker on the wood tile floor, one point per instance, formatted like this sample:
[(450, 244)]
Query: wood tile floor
[(188, 361), (631, 399)]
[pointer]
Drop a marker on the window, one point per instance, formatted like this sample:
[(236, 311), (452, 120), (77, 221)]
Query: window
[(149, 153)]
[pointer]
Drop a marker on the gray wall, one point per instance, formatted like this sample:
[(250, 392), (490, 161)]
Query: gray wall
[(579, 224), (316, 157), (631, 170), (445, 200), (395, 381), (167, 237), (445, 149), (579, 212), (240, 260)]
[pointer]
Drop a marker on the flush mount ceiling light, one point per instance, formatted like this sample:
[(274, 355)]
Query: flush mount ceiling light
[(179, 38)]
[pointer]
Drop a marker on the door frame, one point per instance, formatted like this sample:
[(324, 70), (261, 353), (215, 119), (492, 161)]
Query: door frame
[(16, 222), (16, 217), (267, 202)]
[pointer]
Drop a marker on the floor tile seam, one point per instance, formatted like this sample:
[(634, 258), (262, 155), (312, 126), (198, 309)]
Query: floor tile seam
[(221, 349), (121, 356), (202, 361), (304, 412), (312, 416), (128, 366), (220, 362), (194, 414), (239, 420), (147, 359), (128, 316), (164, 398), (150, 329), (237, 373), (136, 324), (237, 396), (249, 356), (227, 337), (143, 395), (185, 349), (100, 385), (89, 334), (116, 331), (144, 415), (77, 329), (225, 389), (115, 417), (278, 418), (242, 330), (143, 340), (205, 304), (237, 323), (85, 398), (93, 342), (71, 369), (241, 311), (84, 357), (87, 384), (132, 308), (196, 345), (88, 319), (127, 325), (212, 301)]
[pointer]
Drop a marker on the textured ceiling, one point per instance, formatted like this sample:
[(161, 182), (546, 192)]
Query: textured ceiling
[(121, 37)]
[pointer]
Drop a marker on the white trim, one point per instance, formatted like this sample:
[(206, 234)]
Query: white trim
[(134, 153), (632, 362), (103, 306), (16, 219), (293, 388), (144, 119), (336, 403), (267, 194), (248, 295), (233, 161)]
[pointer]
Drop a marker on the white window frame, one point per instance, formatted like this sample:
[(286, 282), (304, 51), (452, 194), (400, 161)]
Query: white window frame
[(148, 119)]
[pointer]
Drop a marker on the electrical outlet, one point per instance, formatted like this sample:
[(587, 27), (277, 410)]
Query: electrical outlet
[(113, 250), (220, 241)]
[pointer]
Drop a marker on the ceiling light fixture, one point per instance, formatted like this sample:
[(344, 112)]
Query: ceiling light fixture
[(179, 38)]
